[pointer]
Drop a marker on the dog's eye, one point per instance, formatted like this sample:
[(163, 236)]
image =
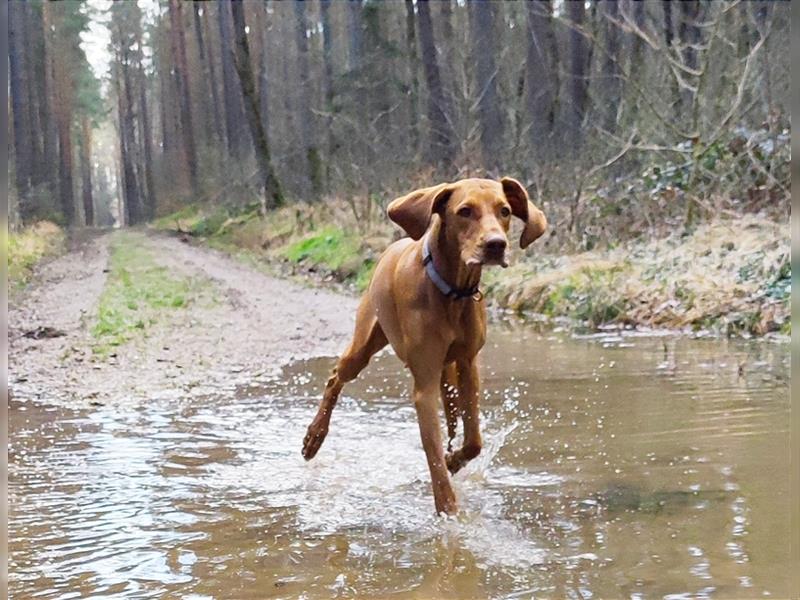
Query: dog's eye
[(505, 211), (465, 211)]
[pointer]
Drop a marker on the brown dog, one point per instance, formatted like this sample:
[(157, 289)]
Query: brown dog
[(424, 300)]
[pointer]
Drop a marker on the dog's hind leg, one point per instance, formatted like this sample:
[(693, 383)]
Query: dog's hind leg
[(450, 401), (367, 340)]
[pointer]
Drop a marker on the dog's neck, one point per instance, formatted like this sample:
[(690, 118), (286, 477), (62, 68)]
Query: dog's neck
[(447, 260)]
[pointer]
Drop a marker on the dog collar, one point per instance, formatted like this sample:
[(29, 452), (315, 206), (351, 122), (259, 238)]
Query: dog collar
[(448, 290)]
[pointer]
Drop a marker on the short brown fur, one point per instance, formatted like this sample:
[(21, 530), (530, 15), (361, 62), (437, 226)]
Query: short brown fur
[(436, 337)]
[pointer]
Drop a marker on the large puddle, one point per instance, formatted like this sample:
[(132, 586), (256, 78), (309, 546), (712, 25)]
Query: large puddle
[(633, 467)]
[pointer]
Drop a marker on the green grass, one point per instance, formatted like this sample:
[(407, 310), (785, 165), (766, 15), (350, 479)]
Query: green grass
[(592, 296), (287, 234), (210, 224), (329, 247), (27, 248), (136, 292), (335, 250)]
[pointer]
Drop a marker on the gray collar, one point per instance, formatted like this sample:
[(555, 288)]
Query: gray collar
[(448, 290)]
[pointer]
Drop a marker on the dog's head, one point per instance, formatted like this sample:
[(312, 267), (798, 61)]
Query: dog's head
[(476, 215)]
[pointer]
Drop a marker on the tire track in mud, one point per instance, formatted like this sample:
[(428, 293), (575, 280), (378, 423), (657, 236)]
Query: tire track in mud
[(255, 325)]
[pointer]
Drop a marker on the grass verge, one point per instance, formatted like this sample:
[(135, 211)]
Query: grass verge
[(323, 242), (28, 247), (727, 276), (137, 293)]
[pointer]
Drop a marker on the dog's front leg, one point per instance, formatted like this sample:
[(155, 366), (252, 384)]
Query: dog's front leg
[(468, 391), (426, 401)]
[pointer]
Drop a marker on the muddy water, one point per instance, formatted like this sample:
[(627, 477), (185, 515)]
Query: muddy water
[(633, 467)]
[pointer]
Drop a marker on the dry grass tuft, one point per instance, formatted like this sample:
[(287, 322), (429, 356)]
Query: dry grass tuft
[(733, 275), (26, 248)]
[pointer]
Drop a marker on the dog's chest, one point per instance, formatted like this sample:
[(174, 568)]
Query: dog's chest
[(468, 326)]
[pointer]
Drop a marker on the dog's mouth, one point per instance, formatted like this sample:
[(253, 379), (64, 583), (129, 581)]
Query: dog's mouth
[(495, 258), (488, 259)]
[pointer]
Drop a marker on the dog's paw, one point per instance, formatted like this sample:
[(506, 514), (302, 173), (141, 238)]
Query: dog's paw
[(446, 504), (455, 461), (313, 441)]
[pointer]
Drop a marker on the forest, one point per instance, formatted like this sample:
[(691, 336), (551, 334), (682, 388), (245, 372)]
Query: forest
[(268, 122), (301, 101)]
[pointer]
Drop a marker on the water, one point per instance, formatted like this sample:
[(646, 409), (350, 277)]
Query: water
[(632, 467)]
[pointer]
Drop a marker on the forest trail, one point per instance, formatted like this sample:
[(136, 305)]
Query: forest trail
[(237, 327)]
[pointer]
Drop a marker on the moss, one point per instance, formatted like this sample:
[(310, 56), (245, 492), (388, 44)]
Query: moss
[(27, 248), (330, 248), (210, 224), (208, 221), (591, 295), (137, 290)]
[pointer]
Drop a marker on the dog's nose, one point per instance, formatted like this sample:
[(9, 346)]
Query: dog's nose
[(496, 245)]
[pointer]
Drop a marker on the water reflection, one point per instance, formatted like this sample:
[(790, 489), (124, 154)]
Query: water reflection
[(614, 466)]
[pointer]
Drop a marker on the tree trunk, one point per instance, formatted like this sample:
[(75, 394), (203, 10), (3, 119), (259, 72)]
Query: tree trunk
[(63, 110), (86, 171), (763, 12), (611, 72), (127, 141), (273, 195), (441, 149), (689, 32), (447, 53), (234, 117), (313, 164), (164, 112), (541, 76), (413, 77), (184, 87), (481, 20), (32, 43), (375, 66), (578, 84), (146, 136), (18, 73), (637, 8), (213, 117), (667, 6), (327, 70), (288, 130), (263, 67), (219, 112), (50, 132), (355, 35)]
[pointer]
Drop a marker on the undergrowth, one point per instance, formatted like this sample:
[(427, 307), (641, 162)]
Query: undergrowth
[(730, 276), (25, 249), (323, 242)]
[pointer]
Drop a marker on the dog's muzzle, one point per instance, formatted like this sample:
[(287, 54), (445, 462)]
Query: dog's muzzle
[(494, 252)]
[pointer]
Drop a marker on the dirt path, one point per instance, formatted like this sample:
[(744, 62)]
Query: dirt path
[(254, 325)]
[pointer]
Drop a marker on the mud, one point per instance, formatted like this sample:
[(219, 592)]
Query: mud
[(255, 325)]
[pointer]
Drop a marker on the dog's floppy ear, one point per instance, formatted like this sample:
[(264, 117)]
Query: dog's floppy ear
[(413, 211), (523, 208)]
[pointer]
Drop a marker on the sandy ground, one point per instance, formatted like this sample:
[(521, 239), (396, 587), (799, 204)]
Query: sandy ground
[(254, 325)]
